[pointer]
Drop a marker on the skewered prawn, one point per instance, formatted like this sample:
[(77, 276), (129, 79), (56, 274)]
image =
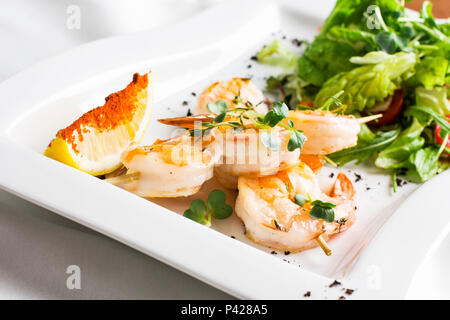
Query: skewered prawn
[(241, 88), (176, 167), (272, 218), (242, 151), (326, 131)]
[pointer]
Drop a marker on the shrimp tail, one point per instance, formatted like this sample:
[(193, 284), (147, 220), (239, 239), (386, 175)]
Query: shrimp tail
[(189, 121), (343, 187), (315, 162)]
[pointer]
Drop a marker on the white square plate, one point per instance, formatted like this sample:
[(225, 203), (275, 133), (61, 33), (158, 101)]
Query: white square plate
[(214, 45)]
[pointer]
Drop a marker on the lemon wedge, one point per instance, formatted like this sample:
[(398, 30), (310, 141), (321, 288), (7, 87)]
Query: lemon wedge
[(95, 141)]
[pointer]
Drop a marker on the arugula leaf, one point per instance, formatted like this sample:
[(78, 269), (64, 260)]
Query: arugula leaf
[(220, 106), (322, 210), (421, 111), (390, 42), (218, 208), (270, 141), (278, 112), (427, 15), (398, 153), (368, 144)]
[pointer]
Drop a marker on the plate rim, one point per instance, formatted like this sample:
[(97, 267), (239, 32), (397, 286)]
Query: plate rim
[(245, 285)]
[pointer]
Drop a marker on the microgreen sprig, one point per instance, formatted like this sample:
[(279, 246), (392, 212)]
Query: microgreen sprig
[(320, 209), (215, 206), (265, 122)]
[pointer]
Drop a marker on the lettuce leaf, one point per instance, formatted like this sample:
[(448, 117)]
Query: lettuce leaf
[(424, 164), (436, 99), (356, 13), (323, 59), (431, 71), (277, 54), (379, 76)]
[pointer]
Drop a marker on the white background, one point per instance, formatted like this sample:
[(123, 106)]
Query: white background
[(36, 246)]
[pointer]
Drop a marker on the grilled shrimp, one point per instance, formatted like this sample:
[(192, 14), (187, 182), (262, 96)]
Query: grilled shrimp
[(176, 167), (244, 154), (326, 131), (242, 151), (228, 91), (272, 218)]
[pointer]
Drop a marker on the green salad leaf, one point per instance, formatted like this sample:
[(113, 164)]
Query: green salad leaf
[(370, 83), (365, 51), (423, 164), (436, 99), (323, 59), (397, 154), (431, 71), (369, 143), (277, 54)]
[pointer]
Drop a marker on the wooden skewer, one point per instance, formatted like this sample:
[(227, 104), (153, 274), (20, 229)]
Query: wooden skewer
[(322, 243), (369, 118), (334, 164), (126, 178), (188, 122)]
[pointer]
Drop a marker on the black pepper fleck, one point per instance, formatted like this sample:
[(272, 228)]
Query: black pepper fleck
[(297, 42), (331, 175), (286, 253), (273, 252), (342, 298), (307, 294), (334, 284), (401, 182), (358, 177), (189, 113), (349, 291), (185, 103)]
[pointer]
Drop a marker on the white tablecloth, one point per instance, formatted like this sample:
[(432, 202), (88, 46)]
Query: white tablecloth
[(37, 246)]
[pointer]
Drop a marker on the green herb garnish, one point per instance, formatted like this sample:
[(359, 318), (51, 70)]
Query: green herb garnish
[(220, 106), (264, 123), (300, 199), (322, 210), (216, 207)]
